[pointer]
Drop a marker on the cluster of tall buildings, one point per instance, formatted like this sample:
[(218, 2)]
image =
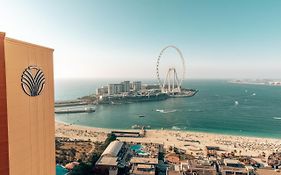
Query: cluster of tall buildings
[(118, 88)]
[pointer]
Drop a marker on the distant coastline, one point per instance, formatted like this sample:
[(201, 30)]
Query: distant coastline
[(265, 82)]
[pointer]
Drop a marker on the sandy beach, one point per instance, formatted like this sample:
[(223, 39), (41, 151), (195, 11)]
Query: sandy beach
[(194, 142)]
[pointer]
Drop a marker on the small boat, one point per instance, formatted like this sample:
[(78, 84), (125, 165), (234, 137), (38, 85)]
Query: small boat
[(140, 127), (136, 127), (165, 111), (159, 110), (141, 115)]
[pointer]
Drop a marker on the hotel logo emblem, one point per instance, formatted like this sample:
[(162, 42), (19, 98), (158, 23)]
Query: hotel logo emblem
[(32, 81)]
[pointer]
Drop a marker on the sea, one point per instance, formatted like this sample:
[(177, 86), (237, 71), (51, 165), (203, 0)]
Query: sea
[(219, 107)]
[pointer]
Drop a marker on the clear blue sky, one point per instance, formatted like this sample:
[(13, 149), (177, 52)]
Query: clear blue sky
[(122, 38)]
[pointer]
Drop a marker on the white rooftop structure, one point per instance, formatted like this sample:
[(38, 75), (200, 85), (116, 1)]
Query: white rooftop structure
[(109, 156), (113, 148), (109, 161), (231, 161)]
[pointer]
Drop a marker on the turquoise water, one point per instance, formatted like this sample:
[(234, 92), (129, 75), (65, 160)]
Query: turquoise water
[(219, 107), (60, 170), (138, 149)]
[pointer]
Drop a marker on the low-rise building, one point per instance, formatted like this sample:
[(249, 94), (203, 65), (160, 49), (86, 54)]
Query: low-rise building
[(143, 169), (234, 167), (268, 171), (212, 150), (144, 160), (111, 158), (202, 167), (150, 86), (102, 90)]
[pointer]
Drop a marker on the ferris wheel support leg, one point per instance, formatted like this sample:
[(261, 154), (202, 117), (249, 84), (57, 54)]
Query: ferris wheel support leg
[(169, 80), (164, 84), (177, 81), (174, 74)]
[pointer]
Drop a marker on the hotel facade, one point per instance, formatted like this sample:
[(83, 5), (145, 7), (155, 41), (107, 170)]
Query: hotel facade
[(27, 125)]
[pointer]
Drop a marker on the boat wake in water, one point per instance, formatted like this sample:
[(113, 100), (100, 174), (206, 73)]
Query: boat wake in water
[(195, 110), (165, 111)]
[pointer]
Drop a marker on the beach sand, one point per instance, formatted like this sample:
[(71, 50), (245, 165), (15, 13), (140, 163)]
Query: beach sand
[(194, 142)]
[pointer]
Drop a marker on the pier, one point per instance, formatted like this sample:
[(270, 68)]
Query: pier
[(75, 110), (129, 133)]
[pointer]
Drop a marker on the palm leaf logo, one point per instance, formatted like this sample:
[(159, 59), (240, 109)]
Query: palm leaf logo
[(32, 81)]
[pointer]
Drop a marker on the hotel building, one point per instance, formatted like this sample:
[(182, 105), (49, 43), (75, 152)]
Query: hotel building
[(114, 89), (27, 125), (137, 85), (126, 86)]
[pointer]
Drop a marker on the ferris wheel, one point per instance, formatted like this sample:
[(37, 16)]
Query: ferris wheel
[(172, 83)]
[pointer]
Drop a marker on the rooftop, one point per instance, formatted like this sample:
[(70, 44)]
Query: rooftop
[(105, 160), (143, 169), (216, 148), (266, 171), (113, 148), (144, 160), (231, 161)]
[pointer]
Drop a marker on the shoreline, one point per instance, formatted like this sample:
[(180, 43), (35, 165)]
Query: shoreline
[(190, 141), (176, 130)]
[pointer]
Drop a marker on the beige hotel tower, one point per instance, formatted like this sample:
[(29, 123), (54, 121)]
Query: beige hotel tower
[(27, 126)]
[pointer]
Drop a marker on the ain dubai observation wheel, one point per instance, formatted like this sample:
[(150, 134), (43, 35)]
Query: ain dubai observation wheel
[(172, 82)]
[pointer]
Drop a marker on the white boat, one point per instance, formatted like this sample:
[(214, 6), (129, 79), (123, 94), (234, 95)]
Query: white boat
[(166, 111), (160, 110)]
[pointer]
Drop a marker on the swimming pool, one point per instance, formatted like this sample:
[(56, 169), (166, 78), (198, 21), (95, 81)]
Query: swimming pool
[(60, 170), (139, 150)]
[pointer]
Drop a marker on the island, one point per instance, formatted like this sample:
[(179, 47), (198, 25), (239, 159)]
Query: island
[(122, 93)]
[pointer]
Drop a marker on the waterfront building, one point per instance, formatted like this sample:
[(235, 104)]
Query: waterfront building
[(27, 123), (99, 91), (143, 165), (112, 158), (212, 150), (150, 86), (102, 90), (195, 166), (114, 89), (143, 169), (137, 85), (235, 167), (126, 86)]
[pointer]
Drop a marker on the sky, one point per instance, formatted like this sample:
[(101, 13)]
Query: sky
[(123, 38)]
